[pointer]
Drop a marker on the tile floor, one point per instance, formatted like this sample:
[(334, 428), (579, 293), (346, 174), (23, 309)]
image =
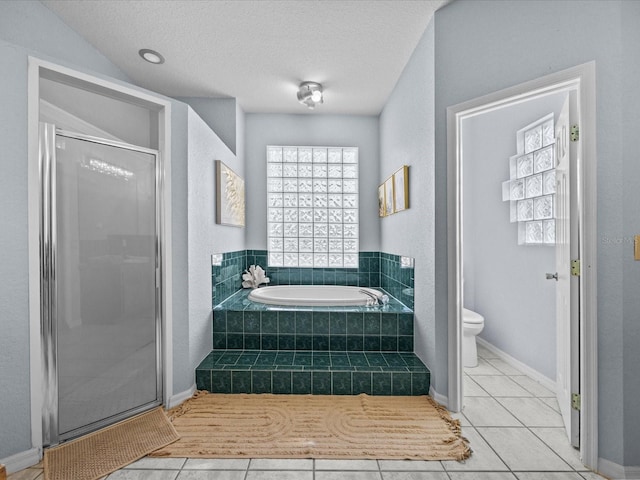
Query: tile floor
[(512, 422)]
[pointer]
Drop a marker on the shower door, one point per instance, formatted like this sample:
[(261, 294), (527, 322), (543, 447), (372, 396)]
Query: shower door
[(100, 265)]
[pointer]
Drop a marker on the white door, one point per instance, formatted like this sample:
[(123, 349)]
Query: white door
[(567, 377)]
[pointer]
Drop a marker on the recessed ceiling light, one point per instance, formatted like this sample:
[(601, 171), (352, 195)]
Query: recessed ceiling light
[(151, 56)]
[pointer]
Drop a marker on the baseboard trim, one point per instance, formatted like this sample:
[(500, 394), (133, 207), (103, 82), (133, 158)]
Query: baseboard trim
[(21, 460), (441, 399), (545, 381), (178, 398), (617, 472)]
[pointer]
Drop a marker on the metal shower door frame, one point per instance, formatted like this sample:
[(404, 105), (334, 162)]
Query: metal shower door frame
[(48, 284)]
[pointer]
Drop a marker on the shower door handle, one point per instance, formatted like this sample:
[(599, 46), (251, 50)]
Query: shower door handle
[(552, 276)]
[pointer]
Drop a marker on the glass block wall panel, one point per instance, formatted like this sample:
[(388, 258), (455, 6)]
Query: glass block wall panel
[(312, 207), (531, 186)]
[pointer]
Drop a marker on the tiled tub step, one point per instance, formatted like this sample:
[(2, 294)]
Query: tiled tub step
[(316, 372)]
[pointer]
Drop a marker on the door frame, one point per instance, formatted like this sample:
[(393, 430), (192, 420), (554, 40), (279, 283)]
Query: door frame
[(38, 68), (580, 78)]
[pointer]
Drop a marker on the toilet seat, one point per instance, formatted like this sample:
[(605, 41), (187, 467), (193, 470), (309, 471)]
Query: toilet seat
[(469, 316)]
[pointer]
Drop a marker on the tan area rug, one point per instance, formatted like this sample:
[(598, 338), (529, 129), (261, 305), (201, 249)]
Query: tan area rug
[(100, 453), (314, 426)]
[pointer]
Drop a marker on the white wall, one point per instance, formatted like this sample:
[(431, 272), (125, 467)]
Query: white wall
[(482, 47), (25, 28), (205, 237), (503, 281), (407, 138), (310, 130), (220, 114)]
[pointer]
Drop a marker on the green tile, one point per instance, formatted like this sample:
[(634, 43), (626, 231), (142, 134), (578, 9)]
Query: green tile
[(284, 358), (235, 322), (321, 323), (286, 342), (247, 359), (266, 359), (219, 340), (341, 383), (361, 383), (401, 383), (419, 383), (286, 323), (252, 341), (321, 383), (282, 382), (338, 323), (221, 381), (240, 381), (340, 360), (389, 343), (355, 323), (321, 360), (269, 322), (394, 360), (304, 323), (381, 383), (303, 359), (405, 324), (301, 382), (304, 342), (260, 381), (321, 342), (358, 359), (338, 343), (371, 343), (376, 359), (269, 342), (371, 323), (203, 380), (355, 342), (389, 324), (229, 358), (405, 344), (220, 321), (251, 322)]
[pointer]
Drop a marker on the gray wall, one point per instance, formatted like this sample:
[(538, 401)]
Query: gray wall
[(407, 138), (28, 28), (485, 46), (25, 28), (205, 237), (220, 114), (263, 129), (503, 281)]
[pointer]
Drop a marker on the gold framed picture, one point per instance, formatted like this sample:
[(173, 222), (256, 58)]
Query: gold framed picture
[(388, 196), (401, 189), (381, 212)]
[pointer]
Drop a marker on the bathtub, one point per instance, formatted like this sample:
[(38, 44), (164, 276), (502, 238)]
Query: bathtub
[(314, 295)]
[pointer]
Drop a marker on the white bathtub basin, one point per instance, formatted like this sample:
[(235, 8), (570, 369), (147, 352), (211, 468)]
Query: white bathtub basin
[(313, 295)]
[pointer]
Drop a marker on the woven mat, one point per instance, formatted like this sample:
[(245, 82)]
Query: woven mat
[(100, 453), (314, 426)]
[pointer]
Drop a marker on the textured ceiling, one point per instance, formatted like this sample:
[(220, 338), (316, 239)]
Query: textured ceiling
[(258, 51)]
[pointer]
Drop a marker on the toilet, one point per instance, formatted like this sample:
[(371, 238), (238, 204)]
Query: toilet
[(472, 325)]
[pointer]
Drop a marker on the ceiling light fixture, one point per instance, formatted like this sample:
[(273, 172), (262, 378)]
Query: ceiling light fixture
[(310, 94), (151, 56)]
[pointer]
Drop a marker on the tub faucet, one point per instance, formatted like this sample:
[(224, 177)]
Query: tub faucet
[(374, 299)]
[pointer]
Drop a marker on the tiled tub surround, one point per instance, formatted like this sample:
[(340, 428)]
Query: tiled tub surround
[(322, 350), (375, 269)]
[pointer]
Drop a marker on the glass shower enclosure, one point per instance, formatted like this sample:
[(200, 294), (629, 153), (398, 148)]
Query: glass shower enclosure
[(100, 282)]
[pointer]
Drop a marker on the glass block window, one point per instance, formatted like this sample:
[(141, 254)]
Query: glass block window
[(532, 184), (312, 207)]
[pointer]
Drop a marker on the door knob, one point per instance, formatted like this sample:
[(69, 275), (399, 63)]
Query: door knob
[(552, 276)]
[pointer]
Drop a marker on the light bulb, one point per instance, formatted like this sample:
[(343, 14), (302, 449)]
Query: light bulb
[(316, 96)]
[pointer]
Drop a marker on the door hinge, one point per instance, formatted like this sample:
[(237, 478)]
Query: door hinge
[(575, 268), (575, 133), (576, 401)]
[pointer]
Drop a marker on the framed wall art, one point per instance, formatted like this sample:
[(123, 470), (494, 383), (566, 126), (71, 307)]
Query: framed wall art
[(381, 210), (230, 203), (401, 189), (388, 196)]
